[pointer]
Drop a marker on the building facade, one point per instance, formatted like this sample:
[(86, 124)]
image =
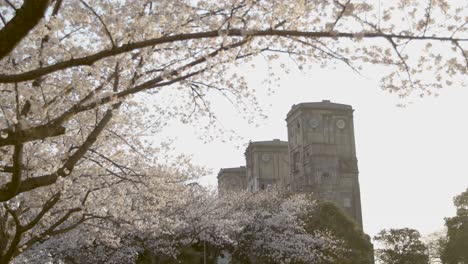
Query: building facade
[(319, 157), (267, 164), (232, 179)]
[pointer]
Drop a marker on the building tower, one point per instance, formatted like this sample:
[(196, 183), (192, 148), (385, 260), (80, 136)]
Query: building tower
[(323, 155), (231, 179), (267, 164)]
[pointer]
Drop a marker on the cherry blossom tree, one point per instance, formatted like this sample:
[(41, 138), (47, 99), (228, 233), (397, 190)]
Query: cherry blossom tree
[(251, 228), (80, 83), (81, 58), (99, 205)]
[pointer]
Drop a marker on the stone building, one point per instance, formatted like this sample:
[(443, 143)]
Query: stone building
[(232, 179), (319, 157), (267, 164)]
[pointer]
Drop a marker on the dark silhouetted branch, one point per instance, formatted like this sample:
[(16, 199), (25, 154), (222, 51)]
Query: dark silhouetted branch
[(25, 19)]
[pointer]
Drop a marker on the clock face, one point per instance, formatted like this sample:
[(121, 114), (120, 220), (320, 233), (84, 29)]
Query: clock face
[(341, 124), (313, 123), (266, 157)]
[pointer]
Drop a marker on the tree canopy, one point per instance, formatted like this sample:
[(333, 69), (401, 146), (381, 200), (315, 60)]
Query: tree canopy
[(455, 247), (327, 217), (401, 246)]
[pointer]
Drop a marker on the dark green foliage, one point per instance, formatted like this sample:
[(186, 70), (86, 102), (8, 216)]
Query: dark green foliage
[(401, 246), (328, 217), (455, 250)]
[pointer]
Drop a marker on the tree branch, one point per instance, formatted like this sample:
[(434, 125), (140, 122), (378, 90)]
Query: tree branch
[(50, 231), (45, 180), (16, 238), (67, 167), (102, 22), (91, 59), (45, 208), (25, 19), (463, 52), (51, 129), (340, 15), (55, 128)]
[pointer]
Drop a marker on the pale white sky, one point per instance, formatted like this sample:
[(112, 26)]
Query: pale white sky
[(412, 160)]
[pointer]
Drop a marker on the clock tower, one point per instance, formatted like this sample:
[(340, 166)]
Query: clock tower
[(266, 164), (323, 154)]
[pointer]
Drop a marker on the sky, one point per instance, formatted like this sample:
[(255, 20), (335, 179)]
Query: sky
[(412, 160)]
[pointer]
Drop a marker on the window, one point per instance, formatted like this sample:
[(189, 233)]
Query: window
[(347, 203), (296, 163)]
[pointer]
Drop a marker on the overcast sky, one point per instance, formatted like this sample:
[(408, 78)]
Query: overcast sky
[(412, 160)]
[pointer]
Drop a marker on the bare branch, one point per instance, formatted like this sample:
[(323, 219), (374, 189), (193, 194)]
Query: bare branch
[(58, 4), (340, 15), (100, 20), (16, 238), (403, 61), (11, 4), (463, 52), (3, 19), (45, 208), (428, 17)]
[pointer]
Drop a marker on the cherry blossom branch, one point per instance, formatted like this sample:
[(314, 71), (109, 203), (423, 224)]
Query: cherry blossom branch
[(340, 15), (91, 59), (51, 129), (463, 52), (402, 59), (121, 167), (55, 128), (14, 184), (45, 208), (4, 230), (6, 192), (51, 231), (67, 167), (5, 258), (101, 21), (21, 229), (428, 17)]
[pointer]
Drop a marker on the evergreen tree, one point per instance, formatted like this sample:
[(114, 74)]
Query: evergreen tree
[(401, 246), (455, 250)]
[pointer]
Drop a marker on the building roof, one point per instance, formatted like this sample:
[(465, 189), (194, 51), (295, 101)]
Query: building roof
[(240, 169), (324, 104), (275, 143)]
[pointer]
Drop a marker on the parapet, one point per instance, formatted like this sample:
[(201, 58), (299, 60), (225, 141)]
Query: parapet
[(324, 105)]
